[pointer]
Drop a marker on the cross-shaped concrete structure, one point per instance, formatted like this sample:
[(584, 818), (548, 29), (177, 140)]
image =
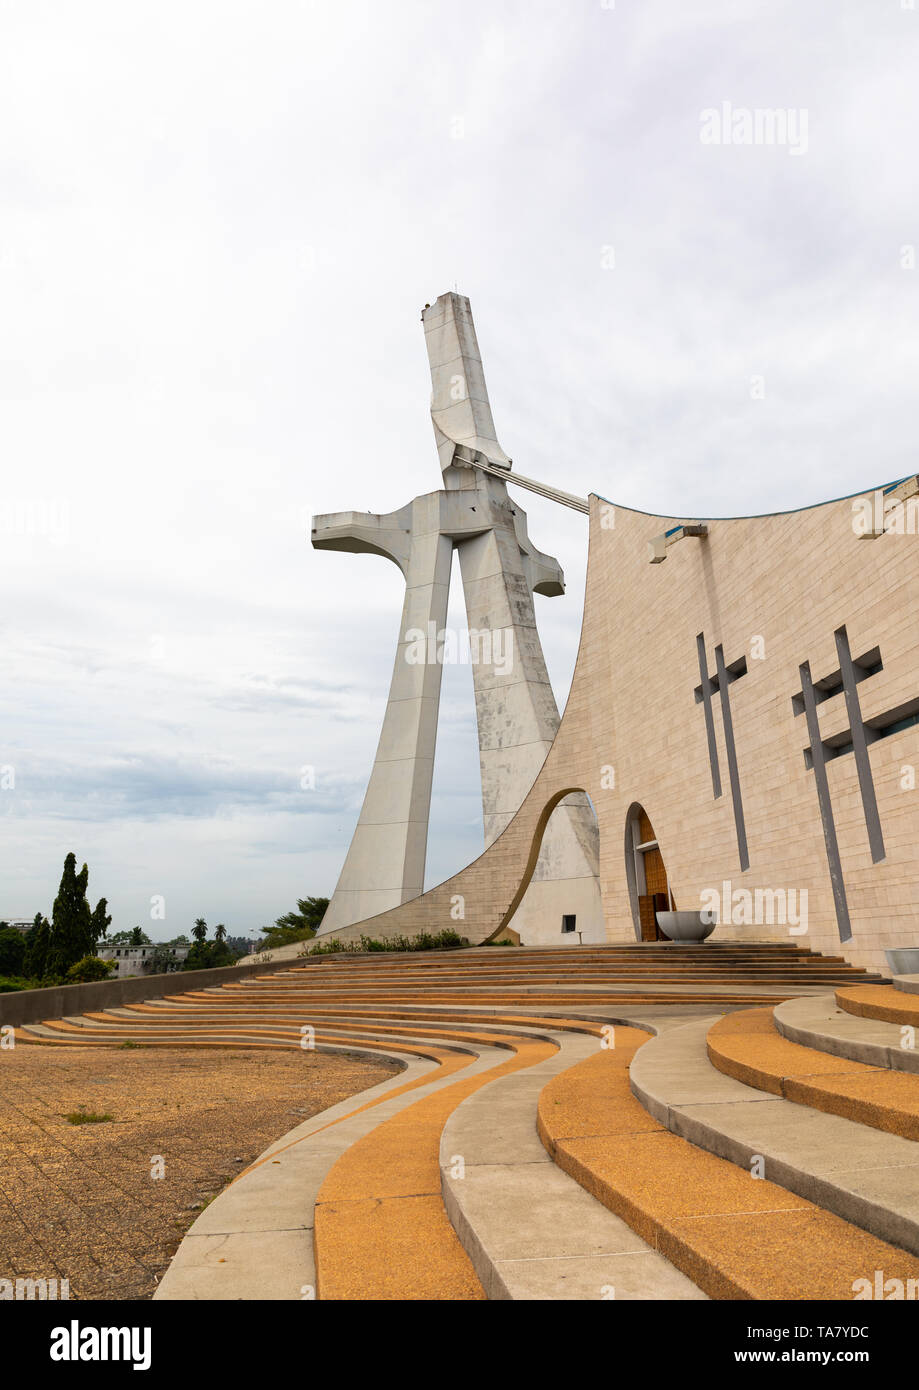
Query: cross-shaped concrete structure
[(515, 707)]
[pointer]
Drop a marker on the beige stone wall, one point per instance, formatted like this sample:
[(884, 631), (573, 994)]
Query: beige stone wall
[(790, 580)]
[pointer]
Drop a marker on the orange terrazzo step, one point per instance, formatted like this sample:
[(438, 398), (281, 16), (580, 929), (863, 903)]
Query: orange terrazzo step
[(748, 1047), (881, 1002), (381, 1231), (735, 1236)]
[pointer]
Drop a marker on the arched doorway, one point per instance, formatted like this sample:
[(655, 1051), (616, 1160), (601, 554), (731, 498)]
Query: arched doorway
[(564, 910), (649, 888)]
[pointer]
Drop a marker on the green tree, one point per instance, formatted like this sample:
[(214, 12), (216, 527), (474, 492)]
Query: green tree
[(12, 950), (309, 914), (100, 921), (296, 926), (199, 930), (162, 960), (71, 919), (220, 932), (38, 949), (205, 955), (129, 938)]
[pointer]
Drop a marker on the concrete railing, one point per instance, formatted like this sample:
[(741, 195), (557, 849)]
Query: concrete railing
[(33, 1005)]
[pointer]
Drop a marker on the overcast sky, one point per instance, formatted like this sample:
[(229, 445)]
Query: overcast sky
[(218, 225)]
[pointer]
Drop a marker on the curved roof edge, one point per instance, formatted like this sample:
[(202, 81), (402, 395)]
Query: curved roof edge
[(754, 516)]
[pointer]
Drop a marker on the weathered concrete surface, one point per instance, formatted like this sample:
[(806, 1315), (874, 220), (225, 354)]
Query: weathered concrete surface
[(30, 1005), (820, 1023), (460, 409), (735, 1234), (516, 711), (385, 861), (632, 708), (771, 592), (865, 1176), (517, 715), (529, 1229)]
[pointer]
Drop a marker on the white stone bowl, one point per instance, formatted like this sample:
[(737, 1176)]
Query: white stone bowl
[(687, 926)]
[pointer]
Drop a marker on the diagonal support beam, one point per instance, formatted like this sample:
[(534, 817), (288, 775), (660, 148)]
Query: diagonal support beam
[(385, 862), (825, 803)]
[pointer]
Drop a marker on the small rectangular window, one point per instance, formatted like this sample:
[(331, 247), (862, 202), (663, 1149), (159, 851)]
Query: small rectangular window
[(568, 922)]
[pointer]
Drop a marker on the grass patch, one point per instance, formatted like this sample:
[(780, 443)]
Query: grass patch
[(86, 1117)]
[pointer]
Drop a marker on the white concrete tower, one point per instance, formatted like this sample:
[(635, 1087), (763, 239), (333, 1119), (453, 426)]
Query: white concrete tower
[(515, 707), (516, 712)]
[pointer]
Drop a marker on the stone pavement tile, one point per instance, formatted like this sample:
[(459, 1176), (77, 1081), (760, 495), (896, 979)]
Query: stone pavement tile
[(93, 1209)]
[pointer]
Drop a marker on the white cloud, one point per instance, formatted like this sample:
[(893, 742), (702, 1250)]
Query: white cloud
[(218, 224)]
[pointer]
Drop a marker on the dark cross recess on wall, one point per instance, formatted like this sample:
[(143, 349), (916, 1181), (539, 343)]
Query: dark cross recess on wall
[(721, 682), (856, 739)]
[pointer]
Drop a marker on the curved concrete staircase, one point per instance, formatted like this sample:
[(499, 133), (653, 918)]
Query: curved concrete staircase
[(581, 1123)]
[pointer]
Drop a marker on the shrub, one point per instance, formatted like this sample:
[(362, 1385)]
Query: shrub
[(88, 969), (445, 940), (330, 948)]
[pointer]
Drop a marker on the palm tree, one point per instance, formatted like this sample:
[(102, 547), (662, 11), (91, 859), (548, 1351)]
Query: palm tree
[(199, 930), (220, 932)]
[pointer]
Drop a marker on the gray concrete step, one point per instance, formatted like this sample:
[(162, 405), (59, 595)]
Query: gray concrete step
[(530, 1230), (866, 1176), (818, 1022)]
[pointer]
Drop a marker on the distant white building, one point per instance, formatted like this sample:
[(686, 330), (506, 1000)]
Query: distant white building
[(138, 960), (18, 923)]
